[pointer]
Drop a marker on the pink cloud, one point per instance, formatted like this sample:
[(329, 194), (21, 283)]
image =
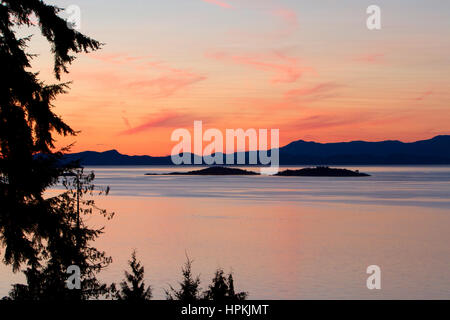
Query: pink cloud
[(287, 69), (219, 3), (325, 121), (315, 90), (117, 58), (287, 15), (344, 119), (166, 84), (125, 120), (371, 58), (165, 119), (424, 95), (157, 121)]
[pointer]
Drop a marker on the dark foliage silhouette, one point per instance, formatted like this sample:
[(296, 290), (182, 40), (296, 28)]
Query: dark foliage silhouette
[(222, 289), (27, 128), (189, 287), (68, 243), (133, 288)]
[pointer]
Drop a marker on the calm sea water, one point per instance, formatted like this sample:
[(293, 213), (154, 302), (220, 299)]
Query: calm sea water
[(282, 237)]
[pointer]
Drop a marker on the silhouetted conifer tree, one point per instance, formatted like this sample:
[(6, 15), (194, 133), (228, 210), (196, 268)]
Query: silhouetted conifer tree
[(133, 288), (222, 289), (45, 234), (189, 287), (27, 128), (68, 242)]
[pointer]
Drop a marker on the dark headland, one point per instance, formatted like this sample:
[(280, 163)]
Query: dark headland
[(212, 171), (322, 172)]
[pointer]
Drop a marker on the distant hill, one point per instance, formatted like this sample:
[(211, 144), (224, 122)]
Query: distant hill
[(114, 158), (432, 151)]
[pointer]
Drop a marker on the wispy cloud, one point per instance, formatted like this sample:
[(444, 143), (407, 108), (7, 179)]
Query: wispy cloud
[(166, 84), (288, 16), (346, 120), (325, 121), (153, 122), (318, 89), (117, 58), (164, 119), (281, 21), (286, 69), (127, 123), (424, 95), (125, 119), (371, 58), (154, 78), (219, 3)]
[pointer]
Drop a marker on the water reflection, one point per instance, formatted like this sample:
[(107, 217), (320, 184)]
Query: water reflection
[(284, 237)]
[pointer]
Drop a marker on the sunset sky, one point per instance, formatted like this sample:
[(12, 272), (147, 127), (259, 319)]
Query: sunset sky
[(311, 69)]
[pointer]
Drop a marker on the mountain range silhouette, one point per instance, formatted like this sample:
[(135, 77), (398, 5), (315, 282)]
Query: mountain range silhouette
[(432, 151)]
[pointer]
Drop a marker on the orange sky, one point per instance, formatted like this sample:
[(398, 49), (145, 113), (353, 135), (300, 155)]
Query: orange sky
[(313, 72)]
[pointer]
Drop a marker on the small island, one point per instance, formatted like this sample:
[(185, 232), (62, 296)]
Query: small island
[(322, 172), (212, 171)]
